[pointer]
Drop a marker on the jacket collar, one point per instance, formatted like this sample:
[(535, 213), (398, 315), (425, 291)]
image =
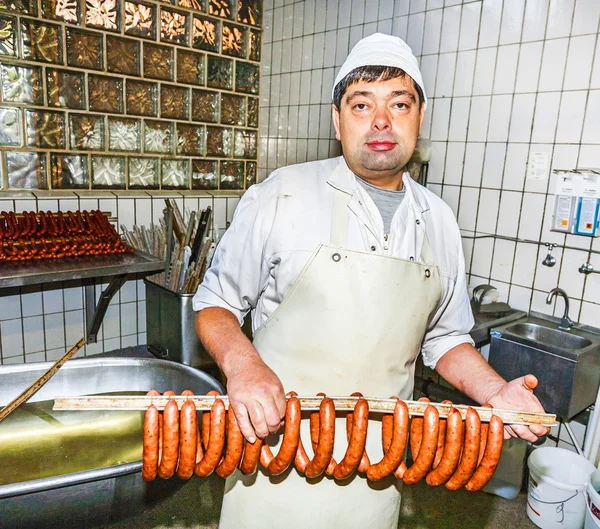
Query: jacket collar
[(343, 178)]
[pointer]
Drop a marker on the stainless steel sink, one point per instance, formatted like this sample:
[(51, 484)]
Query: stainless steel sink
[(549, 337), (566, 363)]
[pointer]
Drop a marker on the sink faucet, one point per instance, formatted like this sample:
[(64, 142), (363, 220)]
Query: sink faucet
[(565, 321)]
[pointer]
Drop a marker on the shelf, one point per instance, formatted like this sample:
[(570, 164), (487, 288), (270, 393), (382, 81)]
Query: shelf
[(22, 273), (116, 266)]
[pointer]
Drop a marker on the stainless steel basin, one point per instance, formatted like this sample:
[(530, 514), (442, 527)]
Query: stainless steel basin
[(549, 337), (82, 469), (566, 363)]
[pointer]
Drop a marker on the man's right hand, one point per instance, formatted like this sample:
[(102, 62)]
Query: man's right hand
[(254, 390), (257, 397)]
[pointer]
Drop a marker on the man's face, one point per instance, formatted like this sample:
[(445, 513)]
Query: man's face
[(378, 125)]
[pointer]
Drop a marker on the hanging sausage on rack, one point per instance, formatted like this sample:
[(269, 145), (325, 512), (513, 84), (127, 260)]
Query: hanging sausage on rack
[(47, 235), (174, 437)]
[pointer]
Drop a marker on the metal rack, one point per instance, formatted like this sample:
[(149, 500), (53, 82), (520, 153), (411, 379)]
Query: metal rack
[(86, 268)]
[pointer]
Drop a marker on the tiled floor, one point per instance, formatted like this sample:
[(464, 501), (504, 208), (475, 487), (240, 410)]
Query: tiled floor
[(196, 505)]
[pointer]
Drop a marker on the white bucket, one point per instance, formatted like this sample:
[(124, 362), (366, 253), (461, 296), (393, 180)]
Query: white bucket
[(556, 489), (592, 515)]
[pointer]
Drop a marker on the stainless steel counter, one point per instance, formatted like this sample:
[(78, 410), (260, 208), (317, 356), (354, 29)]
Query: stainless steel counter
[(484, 322)]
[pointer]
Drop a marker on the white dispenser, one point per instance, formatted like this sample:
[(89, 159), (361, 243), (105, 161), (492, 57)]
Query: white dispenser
[(577, 202)]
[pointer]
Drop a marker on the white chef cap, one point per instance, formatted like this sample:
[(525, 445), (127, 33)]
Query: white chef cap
[(382, 50)]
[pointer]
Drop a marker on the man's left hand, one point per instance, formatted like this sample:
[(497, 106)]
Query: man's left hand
[(518, 394)]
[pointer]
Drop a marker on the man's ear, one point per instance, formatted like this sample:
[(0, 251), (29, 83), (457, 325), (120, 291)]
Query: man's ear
[(422, 115), (335, 116)]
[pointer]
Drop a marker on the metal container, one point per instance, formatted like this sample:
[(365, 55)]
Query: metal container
[(170, 327), (566, 364), (93, 497)]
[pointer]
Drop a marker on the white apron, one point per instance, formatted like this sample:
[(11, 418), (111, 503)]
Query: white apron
[(352, 321)]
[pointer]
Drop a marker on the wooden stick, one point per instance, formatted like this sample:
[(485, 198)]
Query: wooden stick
[(307, 403), (27, 394)]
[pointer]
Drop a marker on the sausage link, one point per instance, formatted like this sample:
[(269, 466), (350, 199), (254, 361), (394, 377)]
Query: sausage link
[(365, 463), (251, 457), (62, 227), (301, 460), (484, 435), (154, 393), (17, 225), (291, 437), (24, 223), (150, 444), (394, 452), (324, 450), (315, 430), (387, 429), (493, 451), (168, 461), (6, 221), (358, 439), (199, 448), (52, 227), (188, 437), (470, 453), (266, 456), (215, 440), (441, 440), (235, 447), (206, 421), (416, 433), (452, 449), (422, 464)]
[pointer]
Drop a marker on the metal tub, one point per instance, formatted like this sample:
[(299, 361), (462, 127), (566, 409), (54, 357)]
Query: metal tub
[(57, 446)]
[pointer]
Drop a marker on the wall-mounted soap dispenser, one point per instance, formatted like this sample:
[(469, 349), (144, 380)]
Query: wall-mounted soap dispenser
[(577, 202)]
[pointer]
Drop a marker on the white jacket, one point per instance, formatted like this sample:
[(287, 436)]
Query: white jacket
[(279, 223)]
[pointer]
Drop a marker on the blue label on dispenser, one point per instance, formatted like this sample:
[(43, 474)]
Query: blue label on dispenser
[(586, 218)]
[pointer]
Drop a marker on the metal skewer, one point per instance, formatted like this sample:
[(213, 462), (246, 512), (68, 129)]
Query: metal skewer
[(307, 403)]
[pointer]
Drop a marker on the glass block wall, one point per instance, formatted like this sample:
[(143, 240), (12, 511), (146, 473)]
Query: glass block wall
[(118, 94)]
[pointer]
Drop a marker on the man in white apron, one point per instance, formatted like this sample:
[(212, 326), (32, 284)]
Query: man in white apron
[(351, 269)]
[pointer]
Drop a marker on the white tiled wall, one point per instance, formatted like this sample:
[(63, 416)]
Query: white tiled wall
[(505, 78), (39, 323)]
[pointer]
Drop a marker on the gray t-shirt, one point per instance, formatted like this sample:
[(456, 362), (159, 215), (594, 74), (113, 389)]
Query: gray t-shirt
[(387, 201)]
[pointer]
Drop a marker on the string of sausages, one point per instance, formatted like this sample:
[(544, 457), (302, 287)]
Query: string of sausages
[(47, 235), (452, 452)]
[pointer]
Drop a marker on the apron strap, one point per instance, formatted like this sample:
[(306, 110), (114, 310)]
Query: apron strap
[(338, 236), (426, 253)]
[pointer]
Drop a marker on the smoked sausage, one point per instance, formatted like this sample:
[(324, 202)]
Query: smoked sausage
[(215, 438), (484, 435), (422, 464), (251, 457), (394, 448), (452, 450), (235, 447), (291, 437), (170, 452), (188, 438), (441, 440), (416, 433), (470, 453), (493, 451), (150, 453), (356, 444), (324, 449)]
